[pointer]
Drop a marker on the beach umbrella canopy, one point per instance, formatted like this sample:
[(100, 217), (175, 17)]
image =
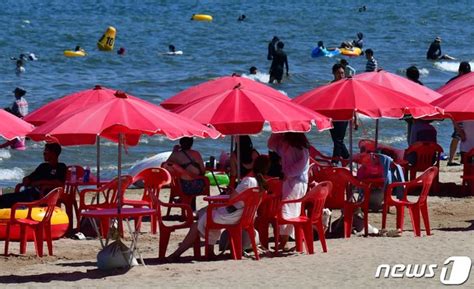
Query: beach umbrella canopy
[(400, 84), (122, 115), (220, 85), (70, 103), (459, 104), (12, 126), (241, 111), (458, 83), (340, 100)]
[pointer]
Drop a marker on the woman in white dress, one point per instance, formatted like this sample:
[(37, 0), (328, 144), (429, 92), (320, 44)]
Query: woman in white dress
[(225, 215), (293, 150)]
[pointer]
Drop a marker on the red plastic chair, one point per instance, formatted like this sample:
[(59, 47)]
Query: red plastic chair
[(424, 181), (179, 197), (425, 155), (103, 198), (251, 198), (68, 196), (342, 197), (41, 229), (268, 210), (312, 205), (468, 173), (153, 180)]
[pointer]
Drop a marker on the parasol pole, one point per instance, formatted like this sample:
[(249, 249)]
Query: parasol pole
[(350, 143), (98, 160), (238, 159), (376, 133), (119, 171)]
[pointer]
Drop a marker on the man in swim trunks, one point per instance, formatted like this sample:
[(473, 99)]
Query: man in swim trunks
[(279, 61)]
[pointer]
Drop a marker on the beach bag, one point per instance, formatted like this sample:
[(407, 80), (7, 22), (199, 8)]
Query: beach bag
[(114, 256)]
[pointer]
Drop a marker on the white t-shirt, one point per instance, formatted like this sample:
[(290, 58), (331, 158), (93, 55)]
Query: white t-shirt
[(468, 143)]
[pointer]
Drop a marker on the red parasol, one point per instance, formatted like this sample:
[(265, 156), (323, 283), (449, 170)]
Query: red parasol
[(241, 111), (458, 83), (342, 99), (220, 85), (400, 84), (459, 103), (12, 126)]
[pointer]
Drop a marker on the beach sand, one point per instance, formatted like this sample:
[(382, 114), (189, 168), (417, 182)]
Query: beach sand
[(349, 263)]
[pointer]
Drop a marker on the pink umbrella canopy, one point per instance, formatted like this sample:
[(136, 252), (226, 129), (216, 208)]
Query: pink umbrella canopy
[(12, 126), (241, 111), (220, 85), (122, 115), (459, 103), (341, 99), (400, 84), (70, 103), (458, 83)]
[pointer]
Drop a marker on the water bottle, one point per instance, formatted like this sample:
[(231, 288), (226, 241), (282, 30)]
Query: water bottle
[(73, 174), (87, 173)]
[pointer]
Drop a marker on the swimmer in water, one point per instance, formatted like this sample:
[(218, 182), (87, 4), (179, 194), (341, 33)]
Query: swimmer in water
[(434, 51), (241, 17), (280, 60), (121, 51), (20, 68), (253, 70)]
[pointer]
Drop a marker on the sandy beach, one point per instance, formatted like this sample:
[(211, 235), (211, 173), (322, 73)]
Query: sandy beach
[(349, 263)]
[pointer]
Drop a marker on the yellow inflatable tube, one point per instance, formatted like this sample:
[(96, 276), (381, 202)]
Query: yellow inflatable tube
[(59, 222), (201, 17), (354, 51), (73, 53)]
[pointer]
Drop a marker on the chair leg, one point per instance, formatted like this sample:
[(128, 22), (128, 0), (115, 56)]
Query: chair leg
[(415, 219), (154, 222), (321, 234), (164, 240), (426, 219), (23, 233), (39, 237), (251, 233), (49, 239), (299, 237), (400, 217), (276, 237), (348, 217), (7, 239), (366, 222), (262, 227), (308, 237), (235, 235)]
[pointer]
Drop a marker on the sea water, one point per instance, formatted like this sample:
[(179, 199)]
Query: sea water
[(399, 33)]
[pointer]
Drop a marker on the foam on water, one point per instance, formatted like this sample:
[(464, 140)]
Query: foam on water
[(11, 174), (4, 154), (451, 66)]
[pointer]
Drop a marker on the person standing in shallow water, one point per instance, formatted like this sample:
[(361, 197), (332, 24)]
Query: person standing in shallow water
[(272, 47), (280, 60), (338, 132)]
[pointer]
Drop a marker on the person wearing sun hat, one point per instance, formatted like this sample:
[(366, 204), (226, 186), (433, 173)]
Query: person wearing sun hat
[(20, 105), (434, 51)]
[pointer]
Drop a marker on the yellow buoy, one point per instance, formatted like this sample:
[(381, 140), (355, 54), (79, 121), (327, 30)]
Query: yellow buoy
[(107, 41), (202, 17)]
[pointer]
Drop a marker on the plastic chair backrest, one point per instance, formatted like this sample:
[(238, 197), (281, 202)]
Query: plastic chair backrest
[(427, 179), (48, 201), (271, 201), (251, 198), (314, 200), (427, 155), (153, 180), (340, 179), (110, 190), (79, 172)]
